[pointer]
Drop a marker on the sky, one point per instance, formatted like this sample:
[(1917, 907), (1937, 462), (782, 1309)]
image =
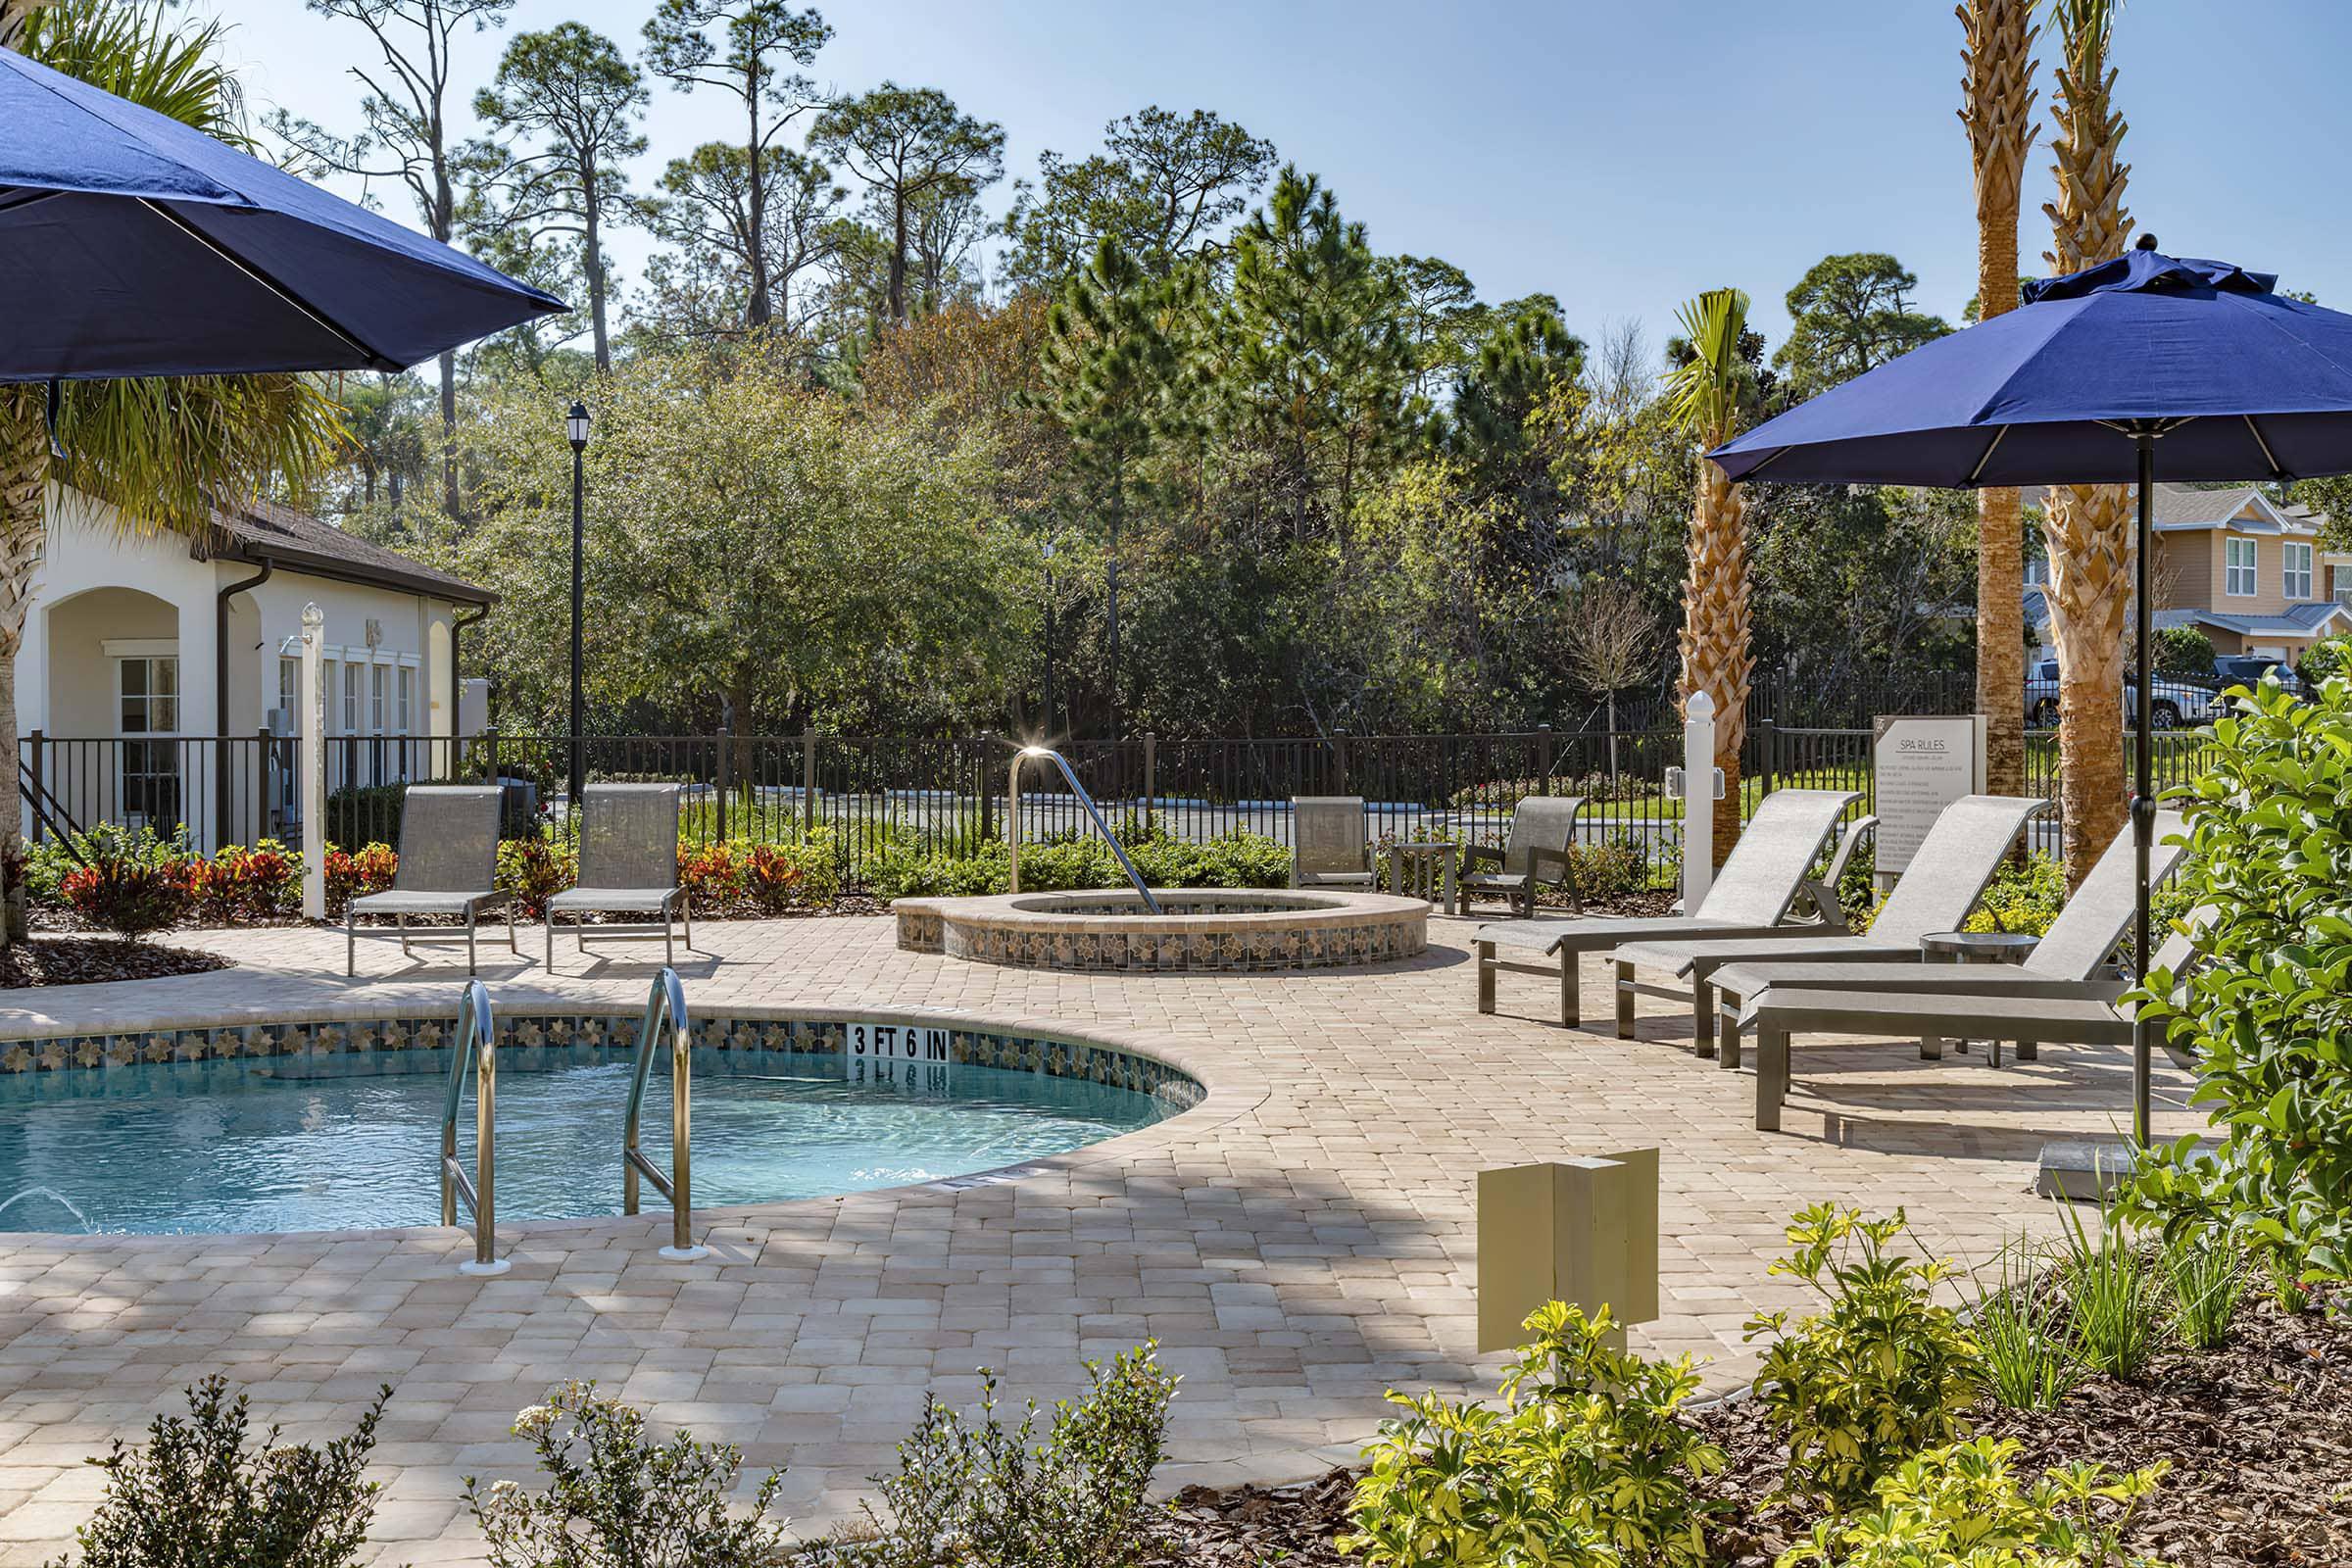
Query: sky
[(1620, 157)]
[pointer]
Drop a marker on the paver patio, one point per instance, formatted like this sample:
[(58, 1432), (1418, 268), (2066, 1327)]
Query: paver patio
[(1298, 1243)]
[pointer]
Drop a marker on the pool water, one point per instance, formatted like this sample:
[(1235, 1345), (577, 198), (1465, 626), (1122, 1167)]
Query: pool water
[(227, 1146)]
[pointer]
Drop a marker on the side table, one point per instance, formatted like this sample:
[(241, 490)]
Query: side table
[(1425, 870), (1978, 947)]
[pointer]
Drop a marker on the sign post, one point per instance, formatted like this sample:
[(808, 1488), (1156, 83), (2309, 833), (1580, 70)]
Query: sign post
[(1921, 766)]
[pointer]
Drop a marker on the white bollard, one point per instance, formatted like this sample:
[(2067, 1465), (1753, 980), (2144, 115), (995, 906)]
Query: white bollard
[(1698, 799), (311, 760)]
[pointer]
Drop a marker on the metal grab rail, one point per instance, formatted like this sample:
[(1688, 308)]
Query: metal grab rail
[(477, 1047), (1012, 820), (666, 1003)]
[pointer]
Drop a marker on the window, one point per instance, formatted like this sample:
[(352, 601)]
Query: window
[(375, 698), (408, 700), (147, 704), (289, 692), (2297, 569), (2238, 560), (351, 699)]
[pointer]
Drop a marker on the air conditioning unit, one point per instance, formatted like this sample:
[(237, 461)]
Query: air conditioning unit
[(278, 721)]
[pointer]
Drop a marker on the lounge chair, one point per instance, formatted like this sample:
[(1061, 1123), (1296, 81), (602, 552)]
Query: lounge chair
[(1543, 827), (2069, 958), (448, 866), (628, 865), (1330, 847), (1950, 871), (1757, 892), (1778, 1012)]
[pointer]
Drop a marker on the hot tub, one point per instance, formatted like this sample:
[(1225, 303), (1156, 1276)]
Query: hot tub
[(1227, 929)]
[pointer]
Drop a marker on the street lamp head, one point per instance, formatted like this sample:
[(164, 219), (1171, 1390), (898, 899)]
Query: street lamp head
[(575, 427)]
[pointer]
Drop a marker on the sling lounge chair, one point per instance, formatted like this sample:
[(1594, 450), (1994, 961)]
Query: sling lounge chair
[(448, 866), (2069, 960), (628, 865), (1757, 892), (1779, 1012), (1330, 848), (1536, 851), (1945, 878)]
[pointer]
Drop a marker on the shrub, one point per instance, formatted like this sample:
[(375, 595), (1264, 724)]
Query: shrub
[(778, 876), (2206, 1273), (1587, 1458), (261, 883), (1235, 860), (2268, 1013), (1615, 869), (353, 875), (2022, 899), (1961, 1508), (2110, 1287), (194, 1496), (535, 870), (988, 1493), (2183, 652), (616, 1499), (2330, 656), (1883, 1373), (131, 883)]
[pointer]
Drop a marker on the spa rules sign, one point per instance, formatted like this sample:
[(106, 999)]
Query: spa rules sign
[(1923, 765)]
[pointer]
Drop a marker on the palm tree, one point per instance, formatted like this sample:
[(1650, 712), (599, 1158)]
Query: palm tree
[(162, 453), (1998, 106), (1711, 393), (2089, 527)]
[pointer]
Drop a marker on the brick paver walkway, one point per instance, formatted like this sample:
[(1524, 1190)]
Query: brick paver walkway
[(1298, 1245)]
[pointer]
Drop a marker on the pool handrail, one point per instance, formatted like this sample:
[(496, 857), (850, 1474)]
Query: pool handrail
[(1013, 821), (664, 1004), (478, 1048)]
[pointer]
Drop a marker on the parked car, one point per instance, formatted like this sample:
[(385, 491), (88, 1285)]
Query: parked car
[(2247, 669), (2172, 701)]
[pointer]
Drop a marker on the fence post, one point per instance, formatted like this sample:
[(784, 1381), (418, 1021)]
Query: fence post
[(1543, 756), (1150, 777), (40, 793), (311, 760), (988, 809), (807, 780), (1338, 758), (1768, 735), (726, 757), (1698, 799)]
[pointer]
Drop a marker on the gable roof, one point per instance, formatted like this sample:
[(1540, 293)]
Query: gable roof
[(280, 535), (2189, 509), (2312, 620)]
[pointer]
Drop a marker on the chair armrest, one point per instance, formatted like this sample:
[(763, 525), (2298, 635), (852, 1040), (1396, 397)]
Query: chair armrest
[(1862, 827), (1474, 854), (1564, 860), (1829, 910)]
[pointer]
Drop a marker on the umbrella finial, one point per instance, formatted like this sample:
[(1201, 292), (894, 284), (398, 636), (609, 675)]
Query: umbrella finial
[(2145, 243)]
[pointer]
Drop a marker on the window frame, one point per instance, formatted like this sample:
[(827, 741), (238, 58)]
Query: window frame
[(2230, 567), (2288, 572)]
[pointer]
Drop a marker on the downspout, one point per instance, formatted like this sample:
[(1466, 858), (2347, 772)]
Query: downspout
[(224, 816)]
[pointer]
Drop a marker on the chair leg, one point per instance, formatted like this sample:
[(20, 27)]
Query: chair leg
[(1727, 1029), (1572, 991), (351, 942), (2028, 1050), (1772, 1076), (402, 921), (669, 946), (1625, 1002), (511, 946), (549, 921), (1485, 976), (471, 919), (1703, 1017)]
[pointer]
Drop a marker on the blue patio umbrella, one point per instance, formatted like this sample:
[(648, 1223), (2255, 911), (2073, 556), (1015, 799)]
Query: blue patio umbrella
[(2150, 362), (134, 245)]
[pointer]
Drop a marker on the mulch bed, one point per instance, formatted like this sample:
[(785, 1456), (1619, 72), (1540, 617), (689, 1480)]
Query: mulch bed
[(2259, 1436), (49, 960)]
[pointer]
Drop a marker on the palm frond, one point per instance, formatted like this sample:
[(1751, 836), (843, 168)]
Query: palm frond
[(134, 52), (1706, 388)]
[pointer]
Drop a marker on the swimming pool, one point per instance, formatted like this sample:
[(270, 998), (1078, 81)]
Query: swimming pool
[(321, 1128)]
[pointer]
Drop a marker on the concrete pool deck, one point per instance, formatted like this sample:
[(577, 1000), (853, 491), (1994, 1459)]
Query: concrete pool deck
[(1298, 1243)]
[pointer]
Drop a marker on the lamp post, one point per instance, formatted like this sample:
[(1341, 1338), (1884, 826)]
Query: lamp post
[(575, 427), (1047, 550)]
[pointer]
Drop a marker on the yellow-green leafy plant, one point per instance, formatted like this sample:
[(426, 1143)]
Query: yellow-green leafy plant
[(1584, 1463), (1962, 1508), (1881, 1373)]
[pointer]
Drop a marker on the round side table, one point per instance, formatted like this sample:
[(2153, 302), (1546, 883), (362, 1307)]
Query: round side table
[(1980, 947)]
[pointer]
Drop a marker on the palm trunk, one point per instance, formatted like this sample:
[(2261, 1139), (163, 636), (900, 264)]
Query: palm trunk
[(23, 479), (1997, 107), (1715, 642)]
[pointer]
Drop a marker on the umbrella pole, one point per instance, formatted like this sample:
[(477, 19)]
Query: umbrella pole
[(2143, 796)]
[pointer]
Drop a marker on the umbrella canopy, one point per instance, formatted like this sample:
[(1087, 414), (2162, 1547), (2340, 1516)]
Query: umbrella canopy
[(2104, 377), (2245, 382), (134, 245)]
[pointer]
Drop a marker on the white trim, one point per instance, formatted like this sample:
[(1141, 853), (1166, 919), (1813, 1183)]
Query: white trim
[(2252, 568), (2287, 574), (141, 646)]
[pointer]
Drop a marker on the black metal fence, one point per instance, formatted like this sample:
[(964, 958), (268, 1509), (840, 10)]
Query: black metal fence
[(871, 796)]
